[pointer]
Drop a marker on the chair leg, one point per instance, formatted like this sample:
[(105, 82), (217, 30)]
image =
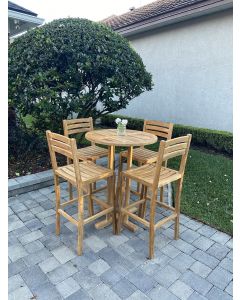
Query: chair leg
[(111, 195), (144, 205), (94, 185), (70, 191), (90, 202), (138, 184), (177, 208), (161, 194), (120, 205), (152, 223), (57, 192), (80, 223), (141, 205)]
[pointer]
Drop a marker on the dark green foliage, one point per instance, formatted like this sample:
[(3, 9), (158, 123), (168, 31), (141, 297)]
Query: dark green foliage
[(221, 141), (73, 65)]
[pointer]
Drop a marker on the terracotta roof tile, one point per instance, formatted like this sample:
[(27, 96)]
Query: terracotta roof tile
[(153, 9)]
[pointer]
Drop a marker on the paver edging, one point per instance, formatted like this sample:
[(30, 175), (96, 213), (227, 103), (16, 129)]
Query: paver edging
[(28, 183)]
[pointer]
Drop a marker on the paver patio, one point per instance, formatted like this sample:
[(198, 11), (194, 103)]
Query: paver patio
[(45, 266)]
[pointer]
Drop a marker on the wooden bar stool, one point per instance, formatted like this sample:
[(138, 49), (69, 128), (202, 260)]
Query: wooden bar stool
[(153, 176), (81, 175), (142, 155), (92, 153)]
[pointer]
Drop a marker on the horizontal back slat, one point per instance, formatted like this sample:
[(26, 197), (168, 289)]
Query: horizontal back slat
[(77, 126), (176, 147), (158, 133), (80, 130), (174, 154), (178, 140), (158, 128), (59, 137), (62, 151), (60, 144), (158, 123), (82, 120)]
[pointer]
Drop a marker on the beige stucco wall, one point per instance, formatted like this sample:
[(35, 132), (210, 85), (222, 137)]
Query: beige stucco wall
[(191, 64)]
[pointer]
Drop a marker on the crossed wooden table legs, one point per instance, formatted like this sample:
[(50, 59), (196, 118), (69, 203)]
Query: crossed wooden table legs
[(108, 220)]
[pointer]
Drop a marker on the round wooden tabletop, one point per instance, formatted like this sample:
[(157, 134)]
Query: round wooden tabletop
[(132, 138)]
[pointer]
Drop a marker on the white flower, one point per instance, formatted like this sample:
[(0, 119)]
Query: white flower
[(118, 120), (124, 121)]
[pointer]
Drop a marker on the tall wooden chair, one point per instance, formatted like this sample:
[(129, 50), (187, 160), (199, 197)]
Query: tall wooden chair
[(81, 174), (141, 155), (153, 176), (93, 152), (82, 125)]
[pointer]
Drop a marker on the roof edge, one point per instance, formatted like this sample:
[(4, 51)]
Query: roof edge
[(186, 13)]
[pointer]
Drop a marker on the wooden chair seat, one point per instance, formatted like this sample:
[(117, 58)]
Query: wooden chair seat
[(146, 173), (90, 172), (142, 155), (92, 153)]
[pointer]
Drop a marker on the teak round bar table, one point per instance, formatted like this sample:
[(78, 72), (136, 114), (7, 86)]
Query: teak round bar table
[(110, 138)]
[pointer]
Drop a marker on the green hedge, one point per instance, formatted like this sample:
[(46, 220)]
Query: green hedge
[(221, 141)]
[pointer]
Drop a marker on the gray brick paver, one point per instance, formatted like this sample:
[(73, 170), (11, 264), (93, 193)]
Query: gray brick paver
[(138, 295), (196, 282), (87, 279), (205, 258), (30, 237), (15, 282), (22, 293), (141, 280), (201, 269), (34, 277), (46, 291), (219, 251), (79, 295), (162, 292), (167, 276), (67, 287), (16, 252), (16, 267), (220, 277), (124, 288), (98, 267), (103, 292), (198, 266), (227, 264), (49, 264), (181, 290), (62, 272), (182, 262), (229, 288), (220, 237), (217, 294), (63, 254), (203, 243)]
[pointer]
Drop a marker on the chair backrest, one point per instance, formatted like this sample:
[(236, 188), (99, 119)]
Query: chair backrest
[(75, 126), (158, 128), (172, 148), (60, 144)]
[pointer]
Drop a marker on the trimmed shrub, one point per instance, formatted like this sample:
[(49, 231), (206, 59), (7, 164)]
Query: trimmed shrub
[(73, 66), (220, 141)]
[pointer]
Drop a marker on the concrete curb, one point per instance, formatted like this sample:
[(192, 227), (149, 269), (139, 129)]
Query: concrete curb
[(28, 183)]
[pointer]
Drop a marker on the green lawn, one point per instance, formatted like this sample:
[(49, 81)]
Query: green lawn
[(207, 189)]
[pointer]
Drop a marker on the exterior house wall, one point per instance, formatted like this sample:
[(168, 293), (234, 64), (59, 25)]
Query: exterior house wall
[(191, 64)]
